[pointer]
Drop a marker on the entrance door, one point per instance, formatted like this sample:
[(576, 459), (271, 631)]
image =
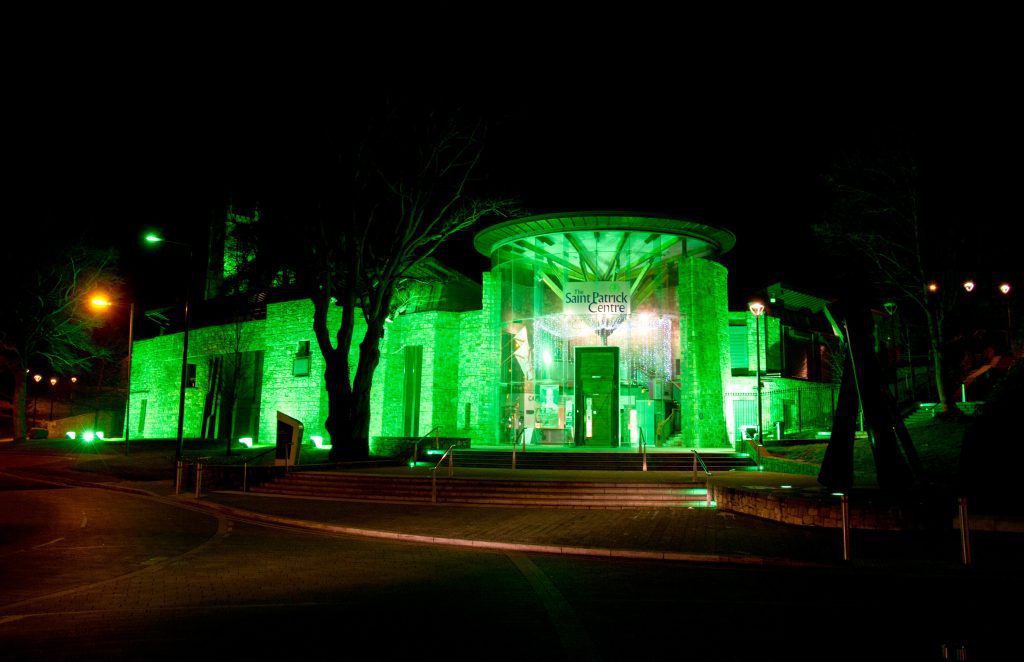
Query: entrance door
[(597, 396)]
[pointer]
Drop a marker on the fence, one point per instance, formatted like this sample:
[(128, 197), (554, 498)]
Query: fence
[(802, 411)]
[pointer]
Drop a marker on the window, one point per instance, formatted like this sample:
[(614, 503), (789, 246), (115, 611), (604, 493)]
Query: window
[(300, 366), (142, 417), (190, 376), (738, 353)]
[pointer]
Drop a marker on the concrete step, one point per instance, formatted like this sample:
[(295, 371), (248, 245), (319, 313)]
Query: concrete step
[(583, 461), (525, 493)]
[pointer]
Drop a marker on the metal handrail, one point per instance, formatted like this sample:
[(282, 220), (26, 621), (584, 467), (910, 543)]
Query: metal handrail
[(199, 464), (515, 442), (707, 483), (450, 454), (661, 426), (416, 444), (643, 446), (697, 458)]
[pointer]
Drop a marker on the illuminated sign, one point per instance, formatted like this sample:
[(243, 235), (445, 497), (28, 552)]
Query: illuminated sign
[(597, 298)]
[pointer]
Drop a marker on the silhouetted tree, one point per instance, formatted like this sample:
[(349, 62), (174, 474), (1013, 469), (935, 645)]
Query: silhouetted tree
[(877, 222), (44, 319), (410, 175)]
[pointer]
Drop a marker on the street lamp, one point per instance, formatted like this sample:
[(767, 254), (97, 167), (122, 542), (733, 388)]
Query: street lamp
[(35, 398), (1005, 289), (155, 239), (53, 387), (102, 302), (757, 309), (969, 285)]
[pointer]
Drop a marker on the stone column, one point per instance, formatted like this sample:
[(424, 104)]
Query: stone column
[(704, 352)]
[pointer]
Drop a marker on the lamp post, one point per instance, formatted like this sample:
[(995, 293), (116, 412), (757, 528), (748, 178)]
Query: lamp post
[(1005, 289), (757, 309), (53, 387), (71, 391), (154, 239), (35, 398), (103, 302)]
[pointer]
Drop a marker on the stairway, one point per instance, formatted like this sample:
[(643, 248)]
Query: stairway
[(488, 492)]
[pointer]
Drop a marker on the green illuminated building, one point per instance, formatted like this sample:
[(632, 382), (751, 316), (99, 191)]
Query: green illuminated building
[(591, 330)]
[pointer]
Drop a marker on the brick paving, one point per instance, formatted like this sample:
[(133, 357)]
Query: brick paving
[(686, 533)]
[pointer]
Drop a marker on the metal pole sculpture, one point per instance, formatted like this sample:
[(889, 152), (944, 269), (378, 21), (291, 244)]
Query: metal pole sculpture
[(897, 464)]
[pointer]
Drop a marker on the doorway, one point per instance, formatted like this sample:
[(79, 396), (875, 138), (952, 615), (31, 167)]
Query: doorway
[(597, 397)]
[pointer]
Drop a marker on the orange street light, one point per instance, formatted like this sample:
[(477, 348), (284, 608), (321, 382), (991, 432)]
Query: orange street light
[(101, 301), (969, 285)]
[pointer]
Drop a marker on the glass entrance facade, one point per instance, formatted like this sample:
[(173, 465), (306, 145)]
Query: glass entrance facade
[(590, 325)]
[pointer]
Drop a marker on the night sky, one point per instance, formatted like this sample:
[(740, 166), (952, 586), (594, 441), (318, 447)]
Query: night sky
[(734, 138)]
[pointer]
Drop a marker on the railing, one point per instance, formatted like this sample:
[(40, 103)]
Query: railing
[(416, 446), (245, 467), (450, 454), (657, 433), (199, 464), (707, 483), (643, 447), (515, 442)]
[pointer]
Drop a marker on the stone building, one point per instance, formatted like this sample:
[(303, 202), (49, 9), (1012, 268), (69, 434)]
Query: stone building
[(591, 330)]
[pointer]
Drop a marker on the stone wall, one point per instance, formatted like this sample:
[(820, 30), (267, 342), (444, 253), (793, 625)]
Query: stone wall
[(156, 373), (814, 507), (479, 360)]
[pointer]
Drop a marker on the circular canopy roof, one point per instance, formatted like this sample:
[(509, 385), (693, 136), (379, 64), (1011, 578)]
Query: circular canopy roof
[(700, 239)]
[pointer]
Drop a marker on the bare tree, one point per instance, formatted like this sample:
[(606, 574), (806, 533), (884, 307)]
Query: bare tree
[(44, 321), (411, 178), (878, 222)]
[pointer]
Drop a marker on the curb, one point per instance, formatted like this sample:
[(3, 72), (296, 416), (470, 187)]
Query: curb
[(565, 550)]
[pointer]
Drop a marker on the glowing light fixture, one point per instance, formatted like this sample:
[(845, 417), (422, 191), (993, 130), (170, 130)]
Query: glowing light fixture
[(969, 285), (933, 287), (99, 435), (53, 381), (74, 380), (71, 435), (245, 441), (38, 378), (548, 359), (1004, 288), (318, 441), (153, 239), (88, 436), (757, 310), (101, 302)]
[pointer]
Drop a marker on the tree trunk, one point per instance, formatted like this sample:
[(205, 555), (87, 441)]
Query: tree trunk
[(369, 358), (935, 342), (338, 423), (20, 418)]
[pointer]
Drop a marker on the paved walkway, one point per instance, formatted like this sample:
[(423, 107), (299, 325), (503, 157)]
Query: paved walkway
[(679, 534)]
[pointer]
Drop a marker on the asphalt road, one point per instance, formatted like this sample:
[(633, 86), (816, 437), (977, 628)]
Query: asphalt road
[(99, 575)]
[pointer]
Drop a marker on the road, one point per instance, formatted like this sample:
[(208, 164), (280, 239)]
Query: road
[(94, 574)]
